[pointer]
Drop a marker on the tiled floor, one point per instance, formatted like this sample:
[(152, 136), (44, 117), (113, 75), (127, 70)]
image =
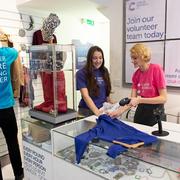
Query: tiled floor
[(7, 172)]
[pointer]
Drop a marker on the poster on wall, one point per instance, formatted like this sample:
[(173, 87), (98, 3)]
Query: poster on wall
[(156, 57), (145, 20), (81, 50), (172, 63)]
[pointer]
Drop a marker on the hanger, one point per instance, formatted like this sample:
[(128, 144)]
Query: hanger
[(31, 23)]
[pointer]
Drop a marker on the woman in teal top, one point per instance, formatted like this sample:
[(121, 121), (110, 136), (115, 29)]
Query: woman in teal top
[(8, 122)]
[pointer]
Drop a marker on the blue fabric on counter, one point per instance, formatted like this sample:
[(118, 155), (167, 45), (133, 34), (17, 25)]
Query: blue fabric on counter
[(109, 129)]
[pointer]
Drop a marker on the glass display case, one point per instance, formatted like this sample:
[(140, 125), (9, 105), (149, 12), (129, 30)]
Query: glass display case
[(52, 92), (37, 148), (37, 133), (157, 161)]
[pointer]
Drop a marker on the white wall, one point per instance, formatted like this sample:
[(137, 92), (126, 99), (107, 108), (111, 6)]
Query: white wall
[(114, 12), (71, 28)]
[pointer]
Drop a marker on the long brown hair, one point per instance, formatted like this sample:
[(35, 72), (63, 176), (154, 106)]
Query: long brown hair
[(92, 85)]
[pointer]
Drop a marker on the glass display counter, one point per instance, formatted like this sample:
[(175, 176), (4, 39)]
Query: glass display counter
[(37, 148), (37, 133), (157, 161), (52, 92)]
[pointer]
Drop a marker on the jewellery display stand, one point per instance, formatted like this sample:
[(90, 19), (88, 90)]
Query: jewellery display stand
[(160, 160), (52, 92)]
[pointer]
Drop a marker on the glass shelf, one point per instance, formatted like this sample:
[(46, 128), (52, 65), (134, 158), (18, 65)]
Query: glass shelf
[(37, 133), (163, 154), (152, 161)]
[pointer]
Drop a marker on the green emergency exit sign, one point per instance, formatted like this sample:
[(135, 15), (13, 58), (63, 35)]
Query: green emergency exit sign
[(87, 21)]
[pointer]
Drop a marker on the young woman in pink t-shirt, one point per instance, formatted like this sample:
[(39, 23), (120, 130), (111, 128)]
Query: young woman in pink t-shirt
[(148, 87)]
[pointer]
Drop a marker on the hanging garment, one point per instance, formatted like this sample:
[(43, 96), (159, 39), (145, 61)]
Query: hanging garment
[(27, 90), (17, 77), (38, 39), (48, 84), (109, 129)]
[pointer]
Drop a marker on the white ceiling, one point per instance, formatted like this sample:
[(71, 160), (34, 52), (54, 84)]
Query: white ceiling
[(85, 8)]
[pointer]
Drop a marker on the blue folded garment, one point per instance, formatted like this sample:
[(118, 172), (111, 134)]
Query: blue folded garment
[(109, 129)]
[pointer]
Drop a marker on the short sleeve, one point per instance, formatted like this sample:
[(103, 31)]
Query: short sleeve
[(135, 80), (159, 77), (13, 54), (81, 81)]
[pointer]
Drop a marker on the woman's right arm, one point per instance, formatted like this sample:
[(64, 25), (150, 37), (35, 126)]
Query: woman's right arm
[(89, 101)]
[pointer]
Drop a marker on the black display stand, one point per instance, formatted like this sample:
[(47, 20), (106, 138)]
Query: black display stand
[(159, 115)]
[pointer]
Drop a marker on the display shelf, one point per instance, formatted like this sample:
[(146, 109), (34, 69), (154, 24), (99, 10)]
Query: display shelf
[(52, 92), (37, 148), (148, 162), (37, 133)]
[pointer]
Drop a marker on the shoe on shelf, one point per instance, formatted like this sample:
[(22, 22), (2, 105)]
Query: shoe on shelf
[(40, 106), (48, 109)]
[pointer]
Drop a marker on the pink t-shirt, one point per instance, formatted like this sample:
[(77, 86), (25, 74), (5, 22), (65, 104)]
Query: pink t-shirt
[(147, 83)]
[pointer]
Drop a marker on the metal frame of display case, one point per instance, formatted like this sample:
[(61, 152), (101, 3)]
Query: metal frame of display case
[(37, 148), (38, 65)]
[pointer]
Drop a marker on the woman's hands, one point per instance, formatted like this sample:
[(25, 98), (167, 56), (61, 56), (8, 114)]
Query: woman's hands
[(116, 113), (133, 103), (99, 112)]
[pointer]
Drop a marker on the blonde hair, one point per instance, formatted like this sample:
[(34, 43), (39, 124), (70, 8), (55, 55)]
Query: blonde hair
[(3, 37), (142, 51)]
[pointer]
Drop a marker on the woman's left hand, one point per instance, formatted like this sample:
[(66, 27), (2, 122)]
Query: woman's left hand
[(134, 101)]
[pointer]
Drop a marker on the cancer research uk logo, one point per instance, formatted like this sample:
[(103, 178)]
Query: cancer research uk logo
[(133, 5)]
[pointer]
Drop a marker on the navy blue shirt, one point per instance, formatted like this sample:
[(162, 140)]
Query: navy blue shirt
[(81, 82)]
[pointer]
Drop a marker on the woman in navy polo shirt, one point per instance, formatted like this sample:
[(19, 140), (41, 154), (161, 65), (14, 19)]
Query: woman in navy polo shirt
[(93, 81)]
